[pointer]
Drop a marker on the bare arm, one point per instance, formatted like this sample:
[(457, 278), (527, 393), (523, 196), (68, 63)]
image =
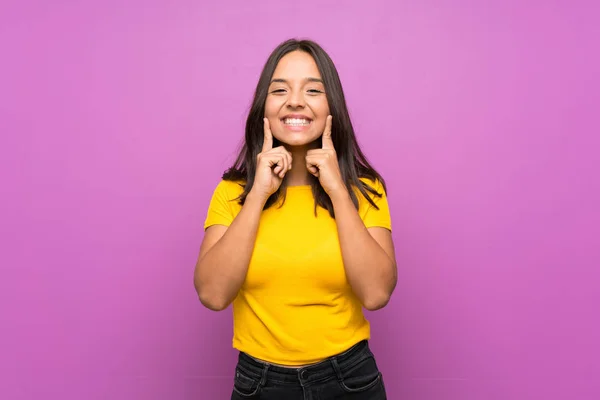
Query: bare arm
[(224, 257), (368, 255), (226, 251)]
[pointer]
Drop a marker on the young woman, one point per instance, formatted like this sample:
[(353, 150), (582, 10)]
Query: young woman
[(298, 237)]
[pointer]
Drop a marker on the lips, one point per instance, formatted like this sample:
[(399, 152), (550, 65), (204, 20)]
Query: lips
[(296, 120)]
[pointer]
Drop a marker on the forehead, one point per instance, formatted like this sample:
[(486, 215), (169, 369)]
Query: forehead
[(297, 65)]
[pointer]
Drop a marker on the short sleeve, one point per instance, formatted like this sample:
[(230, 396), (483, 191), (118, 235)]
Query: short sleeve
[(371, 216), (224, 205)]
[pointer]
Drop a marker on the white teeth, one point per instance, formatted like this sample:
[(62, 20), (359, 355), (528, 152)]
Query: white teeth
[(296, 121)]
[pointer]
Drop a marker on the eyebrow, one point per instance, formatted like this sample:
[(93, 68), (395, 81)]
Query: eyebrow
[(305, 79)]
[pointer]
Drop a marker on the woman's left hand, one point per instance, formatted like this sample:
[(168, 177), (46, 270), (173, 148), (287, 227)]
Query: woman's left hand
[(323, 163)]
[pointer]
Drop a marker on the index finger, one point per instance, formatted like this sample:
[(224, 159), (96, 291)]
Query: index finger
[(268, 141), (327, 141)]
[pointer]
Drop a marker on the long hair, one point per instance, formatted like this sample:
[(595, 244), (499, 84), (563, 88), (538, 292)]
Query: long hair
[(352, 162)]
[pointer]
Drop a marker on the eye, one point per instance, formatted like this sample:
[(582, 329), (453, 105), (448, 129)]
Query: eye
[(278, 91), (314, 91)]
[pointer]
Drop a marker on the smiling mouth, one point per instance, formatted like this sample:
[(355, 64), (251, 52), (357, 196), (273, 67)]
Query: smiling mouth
[(296, 121)]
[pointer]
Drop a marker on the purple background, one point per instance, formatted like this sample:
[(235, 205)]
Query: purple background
[(117, 119)]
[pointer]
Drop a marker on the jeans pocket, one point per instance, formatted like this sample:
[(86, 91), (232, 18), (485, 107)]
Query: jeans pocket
[(362, 377), (244, 385)]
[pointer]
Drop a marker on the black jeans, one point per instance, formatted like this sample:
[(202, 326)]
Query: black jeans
[(351, 375)]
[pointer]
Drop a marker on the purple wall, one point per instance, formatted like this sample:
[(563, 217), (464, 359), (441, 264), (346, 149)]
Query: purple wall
[(117, 119)]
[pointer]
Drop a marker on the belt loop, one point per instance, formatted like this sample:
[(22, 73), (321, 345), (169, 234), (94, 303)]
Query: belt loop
[(263, 378), (337, 369)]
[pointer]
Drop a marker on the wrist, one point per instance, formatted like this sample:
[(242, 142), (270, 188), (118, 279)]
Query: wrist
[(339, 195), (255, 199)]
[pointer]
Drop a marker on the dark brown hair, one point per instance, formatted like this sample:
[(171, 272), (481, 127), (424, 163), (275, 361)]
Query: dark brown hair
[(353, 163)]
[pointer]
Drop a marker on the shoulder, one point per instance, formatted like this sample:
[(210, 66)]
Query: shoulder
[(375, 185), (229, 189), (373, 205), (373, 195)]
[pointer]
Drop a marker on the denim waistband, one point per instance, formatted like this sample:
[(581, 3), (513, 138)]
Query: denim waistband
[(332, 366)]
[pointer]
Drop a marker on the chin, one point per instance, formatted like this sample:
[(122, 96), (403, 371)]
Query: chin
[(295, 141)]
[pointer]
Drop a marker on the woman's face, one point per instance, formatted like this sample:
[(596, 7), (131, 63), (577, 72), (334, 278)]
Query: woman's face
[(296, 104)]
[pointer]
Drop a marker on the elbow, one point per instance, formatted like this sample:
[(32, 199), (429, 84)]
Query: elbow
[(374, 303), (207, 296), (213, 303), (214, 306), (380, 298), (210, 298)]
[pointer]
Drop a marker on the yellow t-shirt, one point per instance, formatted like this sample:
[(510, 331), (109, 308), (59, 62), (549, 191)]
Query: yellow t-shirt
[(296, 306)]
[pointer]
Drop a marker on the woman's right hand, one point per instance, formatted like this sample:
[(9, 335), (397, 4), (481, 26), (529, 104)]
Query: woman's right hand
[(271, 166)]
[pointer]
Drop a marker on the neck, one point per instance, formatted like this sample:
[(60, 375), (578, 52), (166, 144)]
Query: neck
[(298, 175)]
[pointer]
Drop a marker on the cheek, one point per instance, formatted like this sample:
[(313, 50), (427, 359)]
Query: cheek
[(319, 127), (321, 110), (320, 107), (273, 104), (269, 109)]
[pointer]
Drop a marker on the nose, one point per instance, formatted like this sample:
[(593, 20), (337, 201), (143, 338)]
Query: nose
[(296, 99)]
